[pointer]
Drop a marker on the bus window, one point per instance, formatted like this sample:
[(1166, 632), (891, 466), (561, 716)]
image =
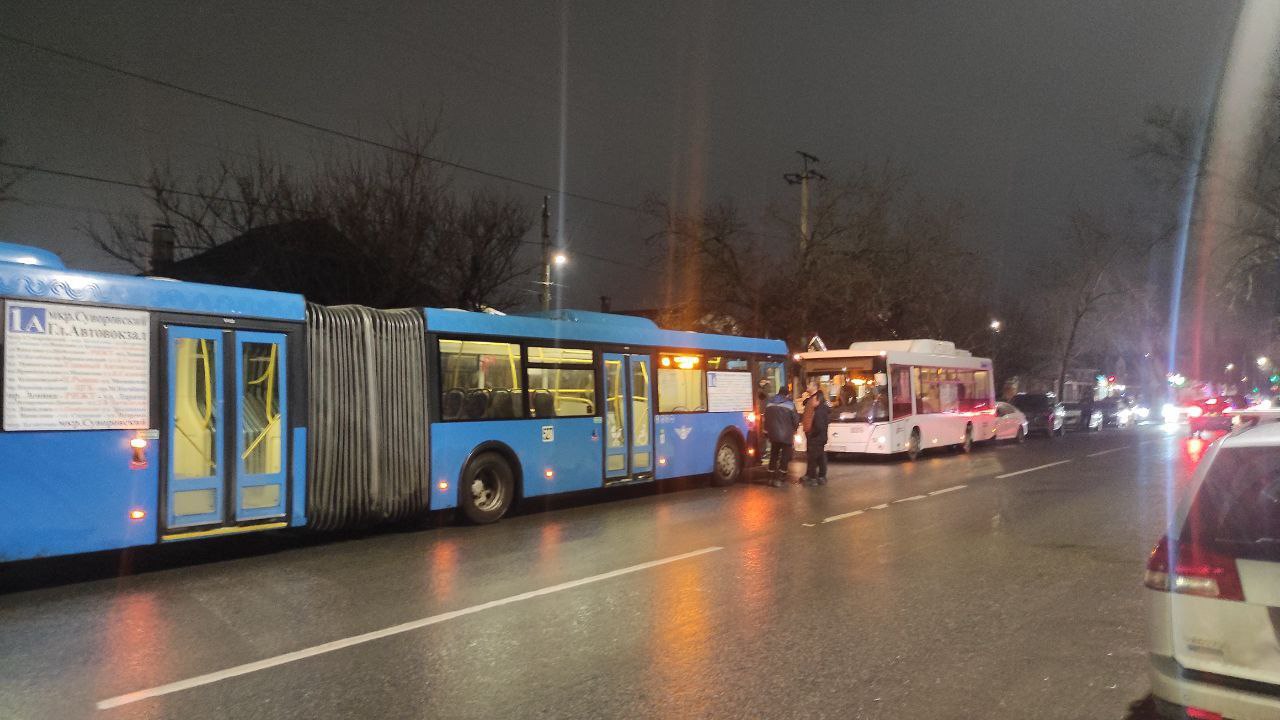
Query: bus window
[(562, 392), (929, 385), (900, 391), (558, 386), (480, 380), (561, 356), (717, 362), (261, 434), (195, 412), (681, 387)]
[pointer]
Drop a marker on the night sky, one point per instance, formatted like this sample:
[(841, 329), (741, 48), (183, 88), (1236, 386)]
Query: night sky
[(1020, 108)]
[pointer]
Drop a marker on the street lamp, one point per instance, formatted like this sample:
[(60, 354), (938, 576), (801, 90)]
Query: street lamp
[(995, 326), (1231, 366), (560, 259), (1263, 361)]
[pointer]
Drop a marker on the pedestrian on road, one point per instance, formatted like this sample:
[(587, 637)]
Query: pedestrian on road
[(816, 418), (780, 423)]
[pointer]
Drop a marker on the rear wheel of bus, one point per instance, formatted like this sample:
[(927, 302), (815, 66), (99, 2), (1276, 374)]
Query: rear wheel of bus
[(487, 488)]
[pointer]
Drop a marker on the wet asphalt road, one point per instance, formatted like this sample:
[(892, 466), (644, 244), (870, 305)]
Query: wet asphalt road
[(971, 596)]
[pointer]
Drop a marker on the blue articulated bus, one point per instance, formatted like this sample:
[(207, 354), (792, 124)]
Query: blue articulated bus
[(141, 410)]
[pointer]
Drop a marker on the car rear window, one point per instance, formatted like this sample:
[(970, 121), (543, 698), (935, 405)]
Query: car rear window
[(1238, 506), (1030, 402)]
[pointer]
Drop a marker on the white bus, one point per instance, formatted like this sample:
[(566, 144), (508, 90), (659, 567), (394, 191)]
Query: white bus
[(904, 396)]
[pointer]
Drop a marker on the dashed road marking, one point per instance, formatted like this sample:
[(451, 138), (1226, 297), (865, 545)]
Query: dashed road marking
[(842, 516), (913, 497), (1104, 452), (879, 507), (1033, 469), (953, 488), (238, 670)]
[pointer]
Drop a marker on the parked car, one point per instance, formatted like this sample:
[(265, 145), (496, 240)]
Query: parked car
[(1081, 416), (1213, 414), (1044, 413), (1010, 424), (1214, 583), (1115, 412)]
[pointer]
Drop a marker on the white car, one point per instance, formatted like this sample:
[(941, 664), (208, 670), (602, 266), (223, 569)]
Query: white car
[(1010, 423), (1214, 611)]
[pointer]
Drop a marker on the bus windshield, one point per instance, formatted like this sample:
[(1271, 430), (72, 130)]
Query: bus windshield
[(852, 388)]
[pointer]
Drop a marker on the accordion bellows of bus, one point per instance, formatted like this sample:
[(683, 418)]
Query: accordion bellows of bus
[(903, 396), (139, 410)]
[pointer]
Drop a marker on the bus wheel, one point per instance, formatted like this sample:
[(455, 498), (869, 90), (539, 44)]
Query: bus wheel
[(913, 445), (486, 490), (728, 463), (967, 445)]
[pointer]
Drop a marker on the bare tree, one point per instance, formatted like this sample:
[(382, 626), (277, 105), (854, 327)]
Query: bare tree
[(879, 262), (382, 229)]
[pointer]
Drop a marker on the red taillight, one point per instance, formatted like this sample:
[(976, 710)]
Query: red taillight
[(1202, 714), (751, 418), (1196, 571)]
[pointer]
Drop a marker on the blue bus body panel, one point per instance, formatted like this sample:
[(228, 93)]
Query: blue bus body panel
[(573, 454), (33, 282), (687, 441), (581, 326), (298, 518), (72, 492)]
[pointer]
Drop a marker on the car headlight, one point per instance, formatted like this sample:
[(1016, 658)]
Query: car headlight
[(1170, 412)]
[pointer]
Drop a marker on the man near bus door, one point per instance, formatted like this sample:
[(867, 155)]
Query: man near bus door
[(780, 423), (816, 417)]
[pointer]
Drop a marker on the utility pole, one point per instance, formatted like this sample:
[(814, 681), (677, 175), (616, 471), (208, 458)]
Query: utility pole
[(802, 179), (546, 253)]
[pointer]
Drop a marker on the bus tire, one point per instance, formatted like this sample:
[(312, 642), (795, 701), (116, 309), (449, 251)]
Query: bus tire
[(727, 467), (966, 445), (913, 445), (487, 488)]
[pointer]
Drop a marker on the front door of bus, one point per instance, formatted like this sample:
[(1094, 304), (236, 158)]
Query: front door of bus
[(628, 417), (226, 420)]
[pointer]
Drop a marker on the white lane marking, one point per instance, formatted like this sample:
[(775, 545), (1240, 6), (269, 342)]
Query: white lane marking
[(1038, 467), (953, 488), (878, 507), (213, 677), (1104, 452), (842, 516), (913, 497), (810, 524)]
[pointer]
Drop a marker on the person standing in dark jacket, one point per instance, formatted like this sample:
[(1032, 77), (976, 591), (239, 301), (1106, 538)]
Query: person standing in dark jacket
[(780, 423), (817, 416)]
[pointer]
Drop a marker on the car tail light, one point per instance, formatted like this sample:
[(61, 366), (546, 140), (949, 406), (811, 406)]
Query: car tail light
[(1201, 714), (1196, 570)]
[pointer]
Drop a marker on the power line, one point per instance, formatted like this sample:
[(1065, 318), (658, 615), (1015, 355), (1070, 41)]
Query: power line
[(351, 137), (205, 196)]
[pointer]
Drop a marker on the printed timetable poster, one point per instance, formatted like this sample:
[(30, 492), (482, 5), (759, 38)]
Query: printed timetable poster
[(728, 391), (76, 368)]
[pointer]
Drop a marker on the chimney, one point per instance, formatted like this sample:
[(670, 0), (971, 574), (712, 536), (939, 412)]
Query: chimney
[(162, 242), (605, 304)]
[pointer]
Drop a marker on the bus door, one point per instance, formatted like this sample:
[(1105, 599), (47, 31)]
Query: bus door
[(771, 379), (226, 419), (628, 417)]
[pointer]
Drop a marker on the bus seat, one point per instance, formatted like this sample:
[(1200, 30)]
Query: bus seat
[(476, 403), (544, 404), (451, 405), (500, 404)]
